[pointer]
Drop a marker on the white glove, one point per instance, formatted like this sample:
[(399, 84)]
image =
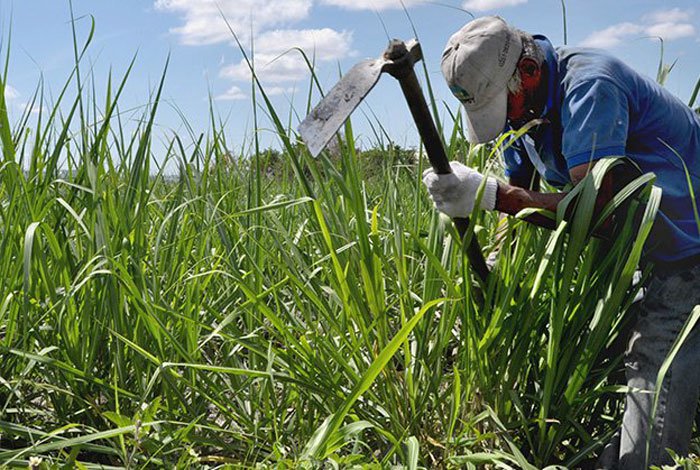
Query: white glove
[(454, 193)]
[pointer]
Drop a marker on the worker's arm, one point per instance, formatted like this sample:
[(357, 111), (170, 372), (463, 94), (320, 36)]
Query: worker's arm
[(529, 179), (455, 193), (512, 199)]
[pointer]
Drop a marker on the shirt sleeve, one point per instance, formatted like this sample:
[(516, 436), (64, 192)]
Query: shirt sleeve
[(595, 121)]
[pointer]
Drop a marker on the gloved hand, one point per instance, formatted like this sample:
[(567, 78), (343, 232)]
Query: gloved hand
[(454, 194)]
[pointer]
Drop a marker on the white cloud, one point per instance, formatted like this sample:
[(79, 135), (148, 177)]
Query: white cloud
[(483, 5), (278, 90), (232, 94), (612, 36), (371, 4), (35, 108), (270, 69), (274, 61), (324, 44), (670, 31), (666, 24), (11, 93), (674, 15), (265, 24), (203, 22)]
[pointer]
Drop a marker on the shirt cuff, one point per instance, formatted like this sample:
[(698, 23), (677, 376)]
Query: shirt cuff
[(488, 199)]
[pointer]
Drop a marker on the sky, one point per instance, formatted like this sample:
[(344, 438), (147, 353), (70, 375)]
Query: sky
[(206, 64)]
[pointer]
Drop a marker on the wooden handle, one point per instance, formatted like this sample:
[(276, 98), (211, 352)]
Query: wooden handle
[(402, 70)]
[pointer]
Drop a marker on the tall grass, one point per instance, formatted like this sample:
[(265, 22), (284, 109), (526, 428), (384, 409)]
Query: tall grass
[(325, 313)]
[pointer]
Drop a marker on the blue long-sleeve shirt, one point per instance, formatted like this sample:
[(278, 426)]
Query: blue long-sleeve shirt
[(598, 107)]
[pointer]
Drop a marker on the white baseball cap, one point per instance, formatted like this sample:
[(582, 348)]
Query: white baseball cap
[(477, 63)]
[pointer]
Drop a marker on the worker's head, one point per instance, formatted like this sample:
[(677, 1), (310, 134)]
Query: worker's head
[(495, 70)]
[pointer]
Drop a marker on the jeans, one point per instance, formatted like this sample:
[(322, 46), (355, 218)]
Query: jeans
[(659, 318)]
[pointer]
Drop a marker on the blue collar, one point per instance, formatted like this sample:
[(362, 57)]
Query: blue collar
[(552, 61)]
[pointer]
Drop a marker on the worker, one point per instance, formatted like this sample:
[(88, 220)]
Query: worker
[(589, 106)]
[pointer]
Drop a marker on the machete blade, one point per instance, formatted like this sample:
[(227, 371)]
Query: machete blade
[(319, 127)]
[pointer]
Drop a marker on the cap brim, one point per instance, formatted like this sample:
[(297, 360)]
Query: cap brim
[(487, 122)]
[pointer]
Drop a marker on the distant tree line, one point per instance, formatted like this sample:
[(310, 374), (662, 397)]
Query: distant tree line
[(275, 163)]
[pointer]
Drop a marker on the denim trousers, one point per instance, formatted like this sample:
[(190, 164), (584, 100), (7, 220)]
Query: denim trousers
[(643, 439)]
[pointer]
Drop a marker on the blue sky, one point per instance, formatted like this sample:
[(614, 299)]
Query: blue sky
[(204, 60)]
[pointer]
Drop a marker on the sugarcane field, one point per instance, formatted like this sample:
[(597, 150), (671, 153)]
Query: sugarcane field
[(405, 234)]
